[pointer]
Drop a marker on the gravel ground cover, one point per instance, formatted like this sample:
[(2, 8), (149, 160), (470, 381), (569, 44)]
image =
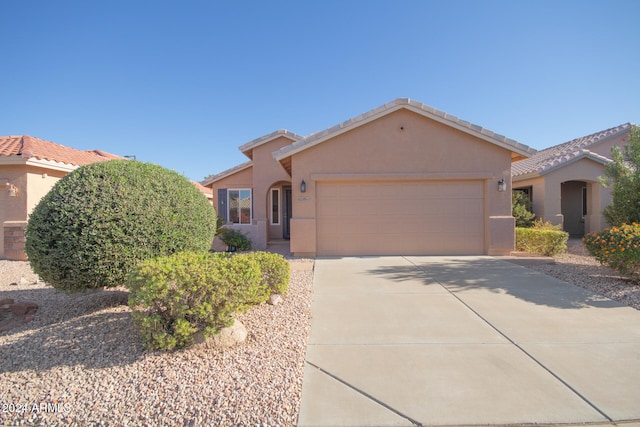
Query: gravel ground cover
[(81, 363), (581, 269)]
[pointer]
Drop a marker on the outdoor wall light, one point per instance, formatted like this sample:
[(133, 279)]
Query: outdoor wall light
[(13, 190), (501, 185), (303, 187)]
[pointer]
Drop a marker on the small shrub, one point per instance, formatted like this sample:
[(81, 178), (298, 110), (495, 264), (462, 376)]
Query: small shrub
[(274, 269), (541, 241), (521, 209), (232, 237), (175, 297), (99, 221), (617, 247), (540, 224)]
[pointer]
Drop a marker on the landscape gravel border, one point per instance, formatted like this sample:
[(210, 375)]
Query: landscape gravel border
[(81, 363)]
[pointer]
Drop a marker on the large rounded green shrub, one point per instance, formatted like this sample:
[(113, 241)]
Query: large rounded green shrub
[(99, 221)]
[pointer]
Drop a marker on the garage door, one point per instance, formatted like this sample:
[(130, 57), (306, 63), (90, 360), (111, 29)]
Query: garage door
[(400, 218)]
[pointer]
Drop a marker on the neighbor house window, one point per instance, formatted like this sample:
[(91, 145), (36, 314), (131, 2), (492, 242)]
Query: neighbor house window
[(275, 206), (239, 206)]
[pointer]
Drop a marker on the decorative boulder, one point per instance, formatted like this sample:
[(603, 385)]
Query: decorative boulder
[(275, 299), (227, 337)]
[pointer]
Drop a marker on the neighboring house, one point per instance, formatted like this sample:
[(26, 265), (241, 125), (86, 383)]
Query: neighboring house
[(204, 190), (403, 178), (562, 181), (29, 167)]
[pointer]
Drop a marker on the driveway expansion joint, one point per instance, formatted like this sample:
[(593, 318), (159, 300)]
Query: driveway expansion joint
[(516, 345), (365, 394)]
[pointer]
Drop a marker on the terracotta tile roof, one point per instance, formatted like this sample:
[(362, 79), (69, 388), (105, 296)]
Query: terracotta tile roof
[(29, 147), (553, 157), (206, 190)]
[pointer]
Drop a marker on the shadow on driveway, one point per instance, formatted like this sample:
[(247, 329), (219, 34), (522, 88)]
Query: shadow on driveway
[(484, 274)]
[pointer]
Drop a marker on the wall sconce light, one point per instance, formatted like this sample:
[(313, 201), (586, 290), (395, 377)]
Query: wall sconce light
[(13, 190), (501, 185), (303, 187)]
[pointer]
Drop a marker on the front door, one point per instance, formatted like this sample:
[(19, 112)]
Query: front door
[(287, 210), (574, 206)]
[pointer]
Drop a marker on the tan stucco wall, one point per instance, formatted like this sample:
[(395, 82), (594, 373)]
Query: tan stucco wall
[(12, 209), (268, 173), (39, 182), (264, 174), (403, 144), (583, 170), (33, 183), (604, 148)]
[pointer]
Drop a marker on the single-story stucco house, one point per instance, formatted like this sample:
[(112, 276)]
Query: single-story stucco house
[(29, 167), (403, 178), (562, 181)]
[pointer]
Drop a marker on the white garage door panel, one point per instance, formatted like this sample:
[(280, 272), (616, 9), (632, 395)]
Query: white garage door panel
[(374, 218)]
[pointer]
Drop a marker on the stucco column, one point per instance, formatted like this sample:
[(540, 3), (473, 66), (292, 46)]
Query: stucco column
[(14, 240), (553, 204)]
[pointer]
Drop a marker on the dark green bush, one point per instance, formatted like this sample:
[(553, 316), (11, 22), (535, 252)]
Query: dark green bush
[(233, 237), (274, 269), (175, 297), (99, 221), (521, 209), (541, 241), (617, 247)]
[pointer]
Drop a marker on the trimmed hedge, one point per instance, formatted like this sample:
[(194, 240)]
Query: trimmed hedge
[(99, 221), (175, 297), (541, 241), (274, 269), (618, 248)]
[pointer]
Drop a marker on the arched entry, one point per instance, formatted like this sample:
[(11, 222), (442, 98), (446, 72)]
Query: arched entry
[(574, 206), (279, 206)]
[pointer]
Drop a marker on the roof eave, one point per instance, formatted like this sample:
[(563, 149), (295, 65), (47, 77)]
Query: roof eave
[(519, 149), (40, 163), (226, 173), (247, 149)]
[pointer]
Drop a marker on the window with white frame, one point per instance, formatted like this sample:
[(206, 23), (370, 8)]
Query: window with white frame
[(275, 206), (239, 206)]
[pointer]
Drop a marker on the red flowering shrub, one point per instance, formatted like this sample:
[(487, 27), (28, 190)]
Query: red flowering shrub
[(617, 247)]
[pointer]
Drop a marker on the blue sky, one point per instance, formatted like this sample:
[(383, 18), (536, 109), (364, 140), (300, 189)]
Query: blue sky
[(184, 83)]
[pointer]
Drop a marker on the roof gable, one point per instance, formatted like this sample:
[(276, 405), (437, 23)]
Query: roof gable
[(226, 173), (544, 161), (247, 149), (28, 147), (517, 149)]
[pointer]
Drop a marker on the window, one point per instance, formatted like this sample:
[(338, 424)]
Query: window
[(239, 206), (275, 206), (526, 190), (584, 201)]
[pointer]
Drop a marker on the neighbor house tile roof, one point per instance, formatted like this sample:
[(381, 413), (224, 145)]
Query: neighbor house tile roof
[(29, 147), (559, 155), (205, 190)]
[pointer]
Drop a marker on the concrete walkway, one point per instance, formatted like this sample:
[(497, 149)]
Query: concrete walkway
[(404, 341)]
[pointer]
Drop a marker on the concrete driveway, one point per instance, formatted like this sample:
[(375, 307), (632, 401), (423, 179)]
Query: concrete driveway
[(403, 341)]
